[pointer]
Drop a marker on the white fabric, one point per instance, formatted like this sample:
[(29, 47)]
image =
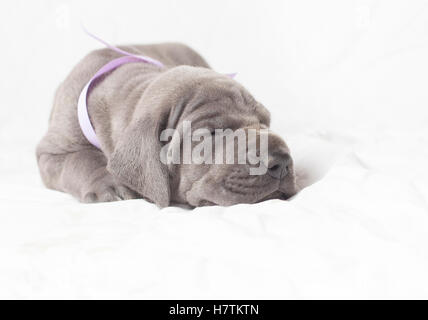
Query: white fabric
[(346, 85)]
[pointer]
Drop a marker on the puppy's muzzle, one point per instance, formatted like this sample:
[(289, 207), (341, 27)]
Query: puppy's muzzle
[(278, 166)]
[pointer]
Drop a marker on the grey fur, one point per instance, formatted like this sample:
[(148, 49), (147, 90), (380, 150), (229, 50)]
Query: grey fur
[(129, 108)]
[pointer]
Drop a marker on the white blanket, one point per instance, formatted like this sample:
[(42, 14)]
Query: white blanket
[(347, 89)]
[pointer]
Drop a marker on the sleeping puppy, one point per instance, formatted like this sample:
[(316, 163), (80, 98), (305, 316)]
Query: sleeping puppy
[(129, 109)]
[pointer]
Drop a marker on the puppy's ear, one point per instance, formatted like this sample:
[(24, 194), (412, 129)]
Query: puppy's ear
[(135, 160)]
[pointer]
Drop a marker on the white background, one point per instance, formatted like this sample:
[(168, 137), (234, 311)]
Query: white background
[(345, 82)]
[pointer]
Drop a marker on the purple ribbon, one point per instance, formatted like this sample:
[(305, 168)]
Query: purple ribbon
[(82, 105)]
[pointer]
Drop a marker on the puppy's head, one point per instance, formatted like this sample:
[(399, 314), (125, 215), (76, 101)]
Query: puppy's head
[(200, 138)]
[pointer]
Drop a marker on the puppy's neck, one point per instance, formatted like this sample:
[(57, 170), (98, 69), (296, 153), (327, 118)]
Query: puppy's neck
[(114, 100)]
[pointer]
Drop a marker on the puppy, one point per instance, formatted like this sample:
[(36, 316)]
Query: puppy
[(130, 107)]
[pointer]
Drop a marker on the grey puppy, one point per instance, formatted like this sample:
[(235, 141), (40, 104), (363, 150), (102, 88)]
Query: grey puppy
[(130, 107)]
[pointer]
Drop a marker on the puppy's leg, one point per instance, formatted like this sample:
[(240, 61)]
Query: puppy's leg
[(83, 174)]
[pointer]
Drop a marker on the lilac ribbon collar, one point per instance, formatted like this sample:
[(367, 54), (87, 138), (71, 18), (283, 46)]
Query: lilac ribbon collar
[(82, 105)]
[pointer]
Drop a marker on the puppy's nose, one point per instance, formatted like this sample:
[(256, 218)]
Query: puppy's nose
[(278, 165)]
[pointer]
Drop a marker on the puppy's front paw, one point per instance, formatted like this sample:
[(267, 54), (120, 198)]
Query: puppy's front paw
[(108, 194), (106, 189)]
